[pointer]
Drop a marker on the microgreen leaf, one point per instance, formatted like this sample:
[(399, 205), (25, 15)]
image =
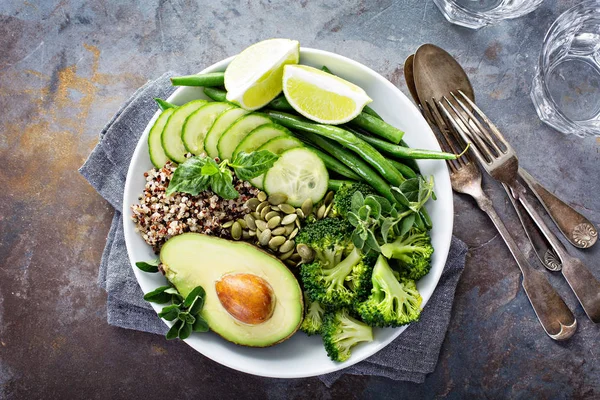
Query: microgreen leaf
[(419, 222), (353, 219), (357, 240), (200, 325), (374, 205), (198, 291), (357, 201), (169, 312), (364, 212), (171, 290), (196, 307), (185, 331), (250, 165), (148, 266), (174, 331), (400, 196), (188, 177), (158, 295), (210, 168), (406, 224), (222, 184)]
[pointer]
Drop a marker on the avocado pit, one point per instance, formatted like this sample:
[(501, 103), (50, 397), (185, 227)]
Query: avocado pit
[(246, 297)]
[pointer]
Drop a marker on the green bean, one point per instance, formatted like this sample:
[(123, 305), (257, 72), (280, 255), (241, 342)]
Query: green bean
[(215, 94), (404, 152), (405, 170), (377, 127), (208, 80), (333, 164), (163, 105), (345, 138), (280, 103), (353, 162), (335, 184), (409, 161)]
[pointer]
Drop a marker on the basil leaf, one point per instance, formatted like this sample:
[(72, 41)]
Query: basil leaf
[(171, 290), (177, 299), (250, 165), (188, 177), (198, 291), (158, 295), (200, 325), (406, 224), (174, 331), (222, 185), (169, 312), (148, 266), (185, 331), (210, 168)]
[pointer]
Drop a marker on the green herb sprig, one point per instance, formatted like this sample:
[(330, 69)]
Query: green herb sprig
[(377, 222), (201, 173), (185, 312)]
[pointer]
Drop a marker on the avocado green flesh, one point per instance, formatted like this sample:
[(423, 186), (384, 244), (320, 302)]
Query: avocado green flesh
[(194, 259)]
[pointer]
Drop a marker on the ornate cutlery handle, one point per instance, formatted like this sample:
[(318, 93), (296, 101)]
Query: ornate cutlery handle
[(578, 230), (585, 285), (552, 312)]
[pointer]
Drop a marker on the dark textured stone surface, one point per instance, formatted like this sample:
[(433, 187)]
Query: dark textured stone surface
[(65, 68)]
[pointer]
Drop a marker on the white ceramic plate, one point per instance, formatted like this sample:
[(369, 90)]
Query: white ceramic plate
[(303, 356)]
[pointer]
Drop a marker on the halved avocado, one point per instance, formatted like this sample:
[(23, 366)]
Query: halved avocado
[(252, 299)]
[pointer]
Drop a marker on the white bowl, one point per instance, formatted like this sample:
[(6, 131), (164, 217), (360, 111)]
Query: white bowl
[(303, 356)]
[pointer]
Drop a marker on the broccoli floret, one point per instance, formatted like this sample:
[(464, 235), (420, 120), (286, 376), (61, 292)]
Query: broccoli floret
[(329, 238), (341, 332), (313, 317), (413, 252), (342, 201), (392, 302), (339, 272)]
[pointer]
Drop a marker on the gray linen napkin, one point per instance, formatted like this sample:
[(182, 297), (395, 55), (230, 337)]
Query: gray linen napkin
[(409, 358)]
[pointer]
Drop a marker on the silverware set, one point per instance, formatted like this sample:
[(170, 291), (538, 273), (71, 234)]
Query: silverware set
[(442, 90)]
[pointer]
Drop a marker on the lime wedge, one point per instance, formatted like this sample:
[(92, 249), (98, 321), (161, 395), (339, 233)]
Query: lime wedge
[(254, 76), (322, 97)]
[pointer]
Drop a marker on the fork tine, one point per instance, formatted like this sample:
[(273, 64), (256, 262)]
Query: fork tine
[(479, 127), (442, 137), (463, 134), (468, 133)]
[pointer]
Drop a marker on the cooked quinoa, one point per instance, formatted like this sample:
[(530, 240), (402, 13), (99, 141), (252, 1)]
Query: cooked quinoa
[(158, 217)]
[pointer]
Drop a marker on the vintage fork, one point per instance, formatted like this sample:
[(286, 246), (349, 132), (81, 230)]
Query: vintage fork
[(554, 315), (501, 163)]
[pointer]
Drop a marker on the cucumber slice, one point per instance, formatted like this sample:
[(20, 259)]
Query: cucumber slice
[(300, 174), (171, 134), (219, 127), (199, 123), (260, 136), (277, 145), (281, 144), (157, 154), (237, 132)]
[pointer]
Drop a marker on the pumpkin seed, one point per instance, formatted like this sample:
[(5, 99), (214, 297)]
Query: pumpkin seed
[(276, 241), (271, 214), (328, 198), (260, 224), (293, 234), (327, 210), (250, 221), (261, 206), (245, 235), (298, 224), (300, 213), (236, 231), (275, 208), (287, 255), (255, 214), (280, 230), (273, 222), (321, 212), (262, 196), (253, 203), (288, 219), (289, 229), (307, 206), (287, 246), (265, 237), (289, 262), (296, 258), (263, 212), (277, 198), (305, 252), (242, 223), (287, 209), (228, 224), (251, 233)]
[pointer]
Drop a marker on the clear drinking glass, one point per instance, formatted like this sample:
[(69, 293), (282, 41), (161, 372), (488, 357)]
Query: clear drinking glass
[(476, 14), (566, 87)]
